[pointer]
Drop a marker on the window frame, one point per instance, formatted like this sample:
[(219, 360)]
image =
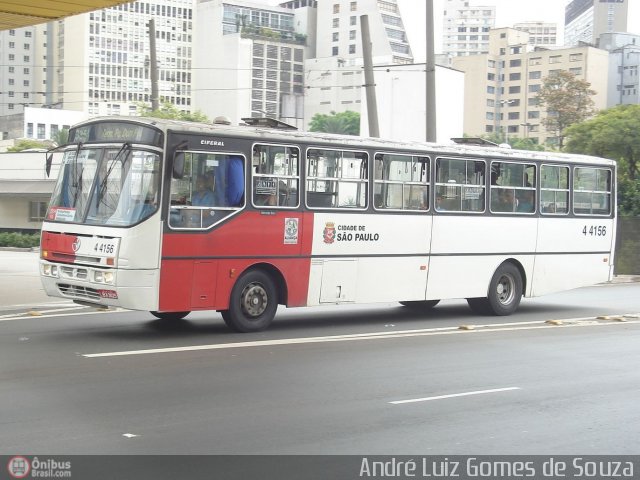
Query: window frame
[(568, 191), (377, 181), (308, 178), (449, 184), (297, 177), (610, 192), (534, 188)]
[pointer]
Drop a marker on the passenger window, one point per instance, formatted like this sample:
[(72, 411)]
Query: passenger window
[(513, 187), (276, 178), (211, 188), (401, 182), (591, 191), (460, 185), (554, 190), (336, 179)]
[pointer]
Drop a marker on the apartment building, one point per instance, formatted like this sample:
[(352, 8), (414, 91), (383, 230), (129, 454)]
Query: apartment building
[(541, 34), (250, 58), (586, 20), (23, 63), (624, 63), (501, 87), (100, 61), (466, 28), (335, 76)]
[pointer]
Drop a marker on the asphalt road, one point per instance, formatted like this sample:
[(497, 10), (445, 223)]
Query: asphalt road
[(335, 380)]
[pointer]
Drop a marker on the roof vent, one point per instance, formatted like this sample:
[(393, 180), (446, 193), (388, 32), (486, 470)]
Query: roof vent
[(221, 120)]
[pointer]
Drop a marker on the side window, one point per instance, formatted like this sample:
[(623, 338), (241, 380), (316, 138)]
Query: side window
[(336, 179), (513, 187), (460, 185), (401, 182), (212, 188), (554, 190), (276, 177), (591, 191)]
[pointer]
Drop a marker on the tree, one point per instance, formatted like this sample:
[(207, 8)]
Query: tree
[(170, 111), (346, 123), (567, 100), (60, 137), (28, 143), (613, 133)]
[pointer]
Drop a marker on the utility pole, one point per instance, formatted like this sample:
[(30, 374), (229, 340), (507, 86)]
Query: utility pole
[(369, 85), (153, 66), (430, 109)]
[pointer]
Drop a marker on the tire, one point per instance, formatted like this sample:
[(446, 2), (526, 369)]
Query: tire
[(253, 303), (504, 294), (172, 316), (420, 304)]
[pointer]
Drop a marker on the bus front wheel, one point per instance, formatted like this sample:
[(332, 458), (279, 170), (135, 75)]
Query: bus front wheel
[(504, 294), (170, 316), (253, 303)]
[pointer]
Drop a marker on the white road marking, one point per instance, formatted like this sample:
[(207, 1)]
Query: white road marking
[(26, 316), (567, 323), (454, 395)]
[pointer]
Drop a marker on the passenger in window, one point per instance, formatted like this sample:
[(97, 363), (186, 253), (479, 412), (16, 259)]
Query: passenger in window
[(525, 201), (439, 203), (229, 180), (505, 200), (203, 196)]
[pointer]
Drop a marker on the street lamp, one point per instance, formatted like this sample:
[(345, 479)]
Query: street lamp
[(502, 103)]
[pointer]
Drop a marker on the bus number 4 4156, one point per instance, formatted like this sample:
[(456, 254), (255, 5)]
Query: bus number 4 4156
[(594, 231)]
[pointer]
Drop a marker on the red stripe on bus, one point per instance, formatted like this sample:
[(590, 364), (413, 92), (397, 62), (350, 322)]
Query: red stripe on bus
[(58, 247), (194, 283)]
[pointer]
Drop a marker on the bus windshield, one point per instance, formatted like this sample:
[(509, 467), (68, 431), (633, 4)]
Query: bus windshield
[(112, 185)]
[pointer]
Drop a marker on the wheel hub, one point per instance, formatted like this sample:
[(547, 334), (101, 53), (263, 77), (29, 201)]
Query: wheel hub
[(254, 300)]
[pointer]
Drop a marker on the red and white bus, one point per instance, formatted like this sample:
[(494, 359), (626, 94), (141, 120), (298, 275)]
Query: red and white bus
[(173, 217)]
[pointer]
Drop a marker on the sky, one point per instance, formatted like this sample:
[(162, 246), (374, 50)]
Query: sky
[(508, 12)]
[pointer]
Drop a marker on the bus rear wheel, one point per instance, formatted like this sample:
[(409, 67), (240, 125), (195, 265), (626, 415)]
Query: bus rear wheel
[(170, 316), (504, 294), (253, 303), (420, 304)]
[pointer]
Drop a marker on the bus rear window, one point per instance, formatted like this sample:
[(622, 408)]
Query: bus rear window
[(591, 191)]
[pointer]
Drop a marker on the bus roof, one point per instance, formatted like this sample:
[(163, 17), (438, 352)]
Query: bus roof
[(353, 142)]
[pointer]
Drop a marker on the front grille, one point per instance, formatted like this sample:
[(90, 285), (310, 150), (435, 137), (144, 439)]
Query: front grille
[(74, 272), (78, 291)]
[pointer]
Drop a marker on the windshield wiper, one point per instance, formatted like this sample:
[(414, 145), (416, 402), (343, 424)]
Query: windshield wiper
[(126, 146)]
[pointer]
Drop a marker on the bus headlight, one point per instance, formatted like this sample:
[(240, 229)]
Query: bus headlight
[(49, 270), (103, 277)]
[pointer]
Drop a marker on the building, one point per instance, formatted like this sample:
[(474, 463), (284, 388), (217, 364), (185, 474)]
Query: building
[(39, 123), (541, 34), (22, 70), (624, 63), (501, 87), (335, 76), (25, 190), (101, 63), (586, 20), (249, 59), (401, 102), (466, 28)]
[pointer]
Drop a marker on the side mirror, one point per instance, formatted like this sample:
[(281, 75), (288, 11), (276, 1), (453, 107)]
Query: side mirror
[(178, 165), (49, 161)]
